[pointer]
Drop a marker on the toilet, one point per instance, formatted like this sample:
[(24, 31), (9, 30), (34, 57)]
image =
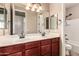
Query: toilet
[(68, 48)]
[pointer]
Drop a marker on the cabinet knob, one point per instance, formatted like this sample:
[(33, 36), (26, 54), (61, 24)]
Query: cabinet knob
[(66, 39)]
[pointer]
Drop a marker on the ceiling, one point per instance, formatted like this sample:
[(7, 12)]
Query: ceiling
[(69, 5)]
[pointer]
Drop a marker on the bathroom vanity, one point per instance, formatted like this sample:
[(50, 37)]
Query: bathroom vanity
[(20, 23), (31, 47)]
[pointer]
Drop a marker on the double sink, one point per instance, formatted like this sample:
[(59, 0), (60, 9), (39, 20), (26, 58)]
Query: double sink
[(14, 39)]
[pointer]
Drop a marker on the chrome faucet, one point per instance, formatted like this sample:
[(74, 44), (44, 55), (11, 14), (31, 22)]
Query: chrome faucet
[(22, 35), (43, 34)]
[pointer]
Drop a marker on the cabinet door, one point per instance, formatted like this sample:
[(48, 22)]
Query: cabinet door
[(11, 49), (30, 45), (33, 52), (46, 50), (55, 49), (16, 54), (46, 42), (55, 46)]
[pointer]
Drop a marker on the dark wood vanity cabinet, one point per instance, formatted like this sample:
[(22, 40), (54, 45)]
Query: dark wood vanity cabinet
[(32, 49), (46, 50), (33, 52), (16, 54), (55, 46), (47, 47), (12, 50)]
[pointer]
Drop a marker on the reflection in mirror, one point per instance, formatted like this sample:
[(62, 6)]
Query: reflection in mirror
[(17, 19), (19, 22), (31, 22), (53, 22), (47, 22), (3, 18), (3, 14), (40, 23), (24, 21)]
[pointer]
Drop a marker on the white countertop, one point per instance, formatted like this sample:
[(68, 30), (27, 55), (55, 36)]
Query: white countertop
[(14, 39)]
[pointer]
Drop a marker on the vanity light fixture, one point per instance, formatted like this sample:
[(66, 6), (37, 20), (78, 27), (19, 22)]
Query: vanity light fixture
[(28, 6), (40, 7), (37, 7)]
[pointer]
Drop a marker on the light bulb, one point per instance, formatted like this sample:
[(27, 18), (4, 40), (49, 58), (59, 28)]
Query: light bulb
[(35, 6), (32, 9), (40, 8), (27, 8), (55, 15)]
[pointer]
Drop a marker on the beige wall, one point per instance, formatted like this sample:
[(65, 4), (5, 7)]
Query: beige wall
[(46, 10), (55, 8), (75, 12)]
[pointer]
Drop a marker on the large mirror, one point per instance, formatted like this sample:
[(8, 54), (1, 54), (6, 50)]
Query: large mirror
[(50, 22), (15, 19), (18, 18), (54, 22), (46, 20), (24, 21), (18, 25), (4, 19)]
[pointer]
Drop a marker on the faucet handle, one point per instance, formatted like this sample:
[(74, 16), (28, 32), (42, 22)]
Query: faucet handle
[(65, 34), (66, 39)]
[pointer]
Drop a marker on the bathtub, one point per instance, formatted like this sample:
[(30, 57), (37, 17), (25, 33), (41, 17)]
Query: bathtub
[(72, 31), (75, 48)]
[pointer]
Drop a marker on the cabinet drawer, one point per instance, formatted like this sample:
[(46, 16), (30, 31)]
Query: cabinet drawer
[(16, 54), (48, 54), (55, 49), (33, 52), (55, 40), (55, 52), (46, 42), (11, 49), (46, 50), (32, 44)]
